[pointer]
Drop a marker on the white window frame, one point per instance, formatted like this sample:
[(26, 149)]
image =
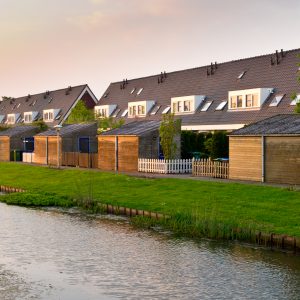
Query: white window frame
[(49, 115), (262, 95), (186, 104), (140, 108)]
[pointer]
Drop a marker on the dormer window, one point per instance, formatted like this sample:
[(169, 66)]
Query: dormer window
[(105, 111), (125, 112), (140, 108), (248, 99), (241, 75), (139, 91), (166, 110), (221, 106), (206, 106), (187, 104), (12, 118), (277, 99), (30, 116), (49, 115)]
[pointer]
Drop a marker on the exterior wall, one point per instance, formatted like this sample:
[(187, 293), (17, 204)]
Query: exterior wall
[(245, 158), (149, 145), (282, 159), (106, 153), (88, 100), (128, 153), (40, 150), (4, 148), (45, 151)]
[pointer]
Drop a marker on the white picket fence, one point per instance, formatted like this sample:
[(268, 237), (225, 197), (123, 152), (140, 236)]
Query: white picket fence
[(28, 157), (165, 166)]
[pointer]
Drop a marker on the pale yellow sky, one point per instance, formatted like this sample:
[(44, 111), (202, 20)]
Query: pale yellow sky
[(46, 45)]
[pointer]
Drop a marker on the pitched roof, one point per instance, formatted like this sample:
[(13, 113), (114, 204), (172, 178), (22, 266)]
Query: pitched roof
[(18, 130), (69, 130), (259, 73), (277, 125), (63, 99), (135, 128)]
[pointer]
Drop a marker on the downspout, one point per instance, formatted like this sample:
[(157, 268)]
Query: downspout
[(262, 158), (116, 154)]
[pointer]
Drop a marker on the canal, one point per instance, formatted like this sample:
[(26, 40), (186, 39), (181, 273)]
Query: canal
[(50, 254)]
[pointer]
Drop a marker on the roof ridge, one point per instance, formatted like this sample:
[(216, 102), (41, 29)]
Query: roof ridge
[(51, 91), (205, 66)]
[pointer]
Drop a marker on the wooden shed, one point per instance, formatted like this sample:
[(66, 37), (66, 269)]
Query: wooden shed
[(13, 139), (119, 149), (75, 145), (267, 151)]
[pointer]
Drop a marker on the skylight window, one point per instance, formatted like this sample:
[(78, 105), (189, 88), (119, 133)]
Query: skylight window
[(132, 91), (206, 106), (276, 100), (241, 75), (139, 91), (296, 100), (166, 110), (125, 112), (155, 110), (116, 113), (221, 105)]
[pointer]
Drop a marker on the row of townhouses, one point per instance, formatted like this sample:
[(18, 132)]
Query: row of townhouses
[(221, 96)]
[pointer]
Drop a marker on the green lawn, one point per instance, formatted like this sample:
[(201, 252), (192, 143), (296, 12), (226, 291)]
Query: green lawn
[(261, 207)]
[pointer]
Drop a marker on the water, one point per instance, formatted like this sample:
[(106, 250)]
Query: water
[(54, 255)]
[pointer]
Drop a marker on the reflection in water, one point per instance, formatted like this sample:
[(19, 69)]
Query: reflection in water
[(69, 256)]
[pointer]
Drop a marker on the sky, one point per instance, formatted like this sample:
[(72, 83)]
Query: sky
[(47, 45)]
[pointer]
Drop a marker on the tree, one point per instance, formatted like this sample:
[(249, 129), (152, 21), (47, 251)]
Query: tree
[(42, 126), (80, 113), (217, 145), (168, 130), (106, 123)]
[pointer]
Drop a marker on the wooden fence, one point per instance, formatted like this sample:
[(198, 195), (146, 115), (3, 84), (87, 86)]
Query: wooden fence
[(165, 166), (201, 167), (83, 160), (210, 168)]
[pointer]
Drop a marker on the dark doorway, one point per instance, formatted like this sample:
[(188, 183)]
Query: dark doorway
[(84, 145), (29, 144)]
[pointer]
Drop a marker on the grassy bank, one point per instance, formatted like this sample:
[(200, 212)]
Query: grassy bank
[(196, 206)]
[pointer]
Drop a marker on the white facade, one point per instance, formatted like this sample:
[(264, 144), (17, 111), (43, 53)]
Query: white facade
[(140, 108), (104, 110), (49, 115), (12, 118), (186, 104), (30, 116), (248, 99)]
